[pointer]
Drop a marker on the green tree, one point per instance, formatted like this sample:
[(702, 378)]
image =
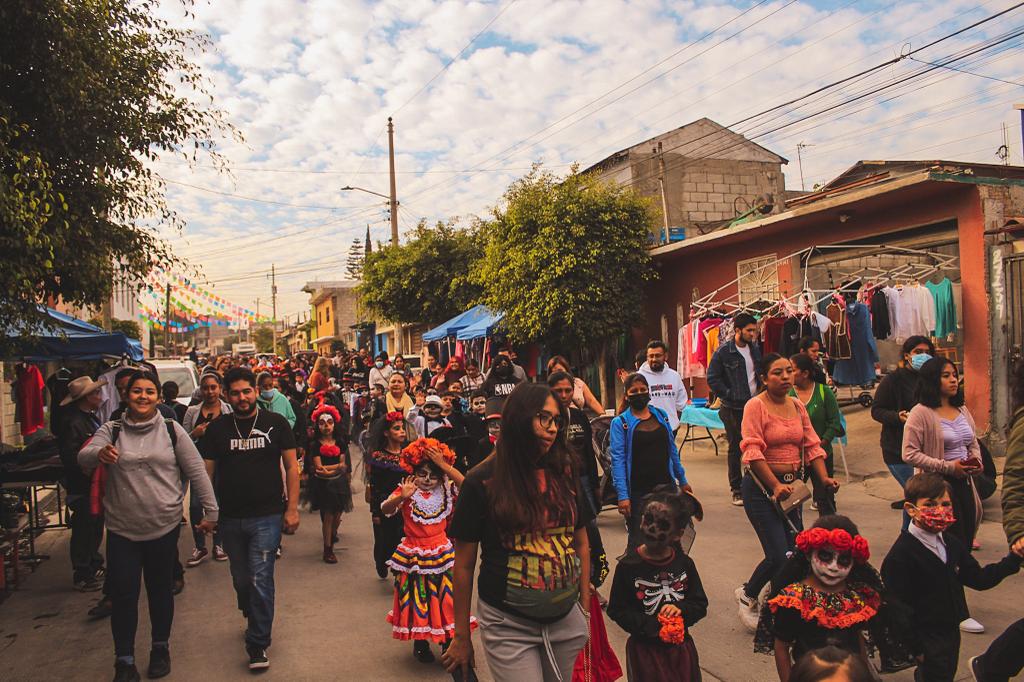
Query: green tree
[(129, 328), (426, 279), (566, 261), (90, 92), (263, 337)]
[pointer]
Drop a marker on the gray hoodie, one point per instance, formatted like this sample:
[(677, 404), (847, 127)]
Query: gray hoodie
[(144, 489)]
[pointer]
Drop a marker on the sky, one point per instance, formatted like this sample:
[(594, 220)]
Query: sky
[(481, 90)]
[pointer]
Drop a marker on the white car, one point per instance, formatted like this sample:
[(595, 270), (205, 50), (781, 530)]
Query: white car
[(181, 372)]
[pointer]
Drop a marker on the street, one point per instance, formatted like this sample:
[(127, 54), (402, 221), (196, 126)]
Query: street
[(330, 619)]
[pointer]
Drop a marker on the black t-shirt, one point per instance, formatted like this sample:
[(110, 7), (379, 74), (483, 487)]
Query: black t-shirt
[(532, 575), (641, 588), (248, 457), (581, 440), (650, 461), (501, 388)]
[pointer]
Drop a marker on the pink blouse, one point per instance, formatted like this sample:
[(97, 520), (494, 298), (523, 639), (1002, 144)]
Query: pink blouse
[(777, 440)]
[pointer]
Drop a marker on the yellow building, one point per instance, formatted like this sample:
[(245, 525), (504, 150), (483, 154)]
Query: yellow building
[(334, 308)]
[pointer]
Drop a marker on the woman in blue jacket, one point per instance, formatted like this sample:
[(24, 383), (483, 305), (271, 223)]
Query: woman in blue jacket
[(644, 453)]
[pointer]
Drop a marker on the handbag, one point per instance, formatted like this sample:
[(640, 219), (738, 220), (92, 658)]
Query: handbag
[(597, 661)]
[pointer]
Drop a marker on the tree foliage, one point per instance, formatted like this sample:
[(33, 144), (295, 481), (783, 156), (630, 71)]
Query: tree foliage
[(90, 90), (356, 257), (129, 328), (263, 337), (427, 279), (566, 259)]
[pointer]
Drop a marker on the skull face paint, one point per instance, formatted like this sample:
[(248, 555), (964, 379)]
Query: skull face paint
[(831, 567), (657, 525)]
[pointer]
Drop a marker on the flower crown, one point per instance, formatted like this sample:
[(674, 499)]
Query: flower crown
[(396, 416), (415, 453), (330, 410), (837, 538)]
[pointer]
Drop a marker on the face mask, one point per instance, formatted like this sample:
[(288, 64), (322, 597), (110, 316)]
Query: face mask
[(379, 364), (917, 361), (935, 519), (267, 395), (656, 525), (638, 401), (503, 370), (831, 567)]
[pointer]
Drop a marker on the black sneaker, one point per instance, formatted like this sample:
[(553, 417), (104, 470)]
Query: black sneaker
[(125, 672), (257, 658), (159, 663), (382, 571), (179, 585), (421, 650), (104, 607), (90, 584)]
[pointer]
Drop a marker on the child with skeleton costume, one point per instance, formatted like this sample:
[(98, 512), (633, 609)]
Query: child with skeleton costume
[(657, 594)]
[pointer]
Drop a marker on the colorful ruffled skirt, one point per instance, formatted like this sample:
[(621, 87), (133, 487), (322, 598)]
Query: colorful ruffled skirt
[(424, 606)]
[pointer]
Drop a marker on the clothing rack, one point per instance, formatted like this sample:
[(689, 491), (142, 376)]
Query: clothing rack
[(808, 298)]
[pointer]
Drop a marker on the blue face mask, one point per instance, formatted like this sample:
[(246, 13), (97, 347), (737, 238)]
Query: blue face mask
[(267, 395), (917, 361)]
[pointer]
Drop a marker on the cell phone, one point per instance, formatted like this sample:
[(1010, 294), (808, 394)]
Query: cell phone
[(457, 676)]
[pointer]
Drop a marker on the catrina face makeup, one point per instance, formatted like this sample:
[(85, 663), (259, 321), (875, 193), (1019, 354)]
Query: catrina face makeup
[(426, 478), (657, 525), (831, 567)]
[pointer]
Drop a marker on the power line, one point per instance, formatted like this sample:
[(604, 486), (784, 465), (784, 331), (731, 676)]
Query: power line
[(256, 199), (971, 73)]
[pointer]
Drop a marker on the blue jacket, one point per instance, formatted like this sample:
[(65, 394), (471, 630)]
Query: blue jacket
[(621, 436), (727, 374)]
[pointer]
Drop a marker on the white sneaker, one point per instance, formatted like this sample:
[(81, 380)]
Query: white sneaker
[(198, 555), (219, 554), (972, 626), (749, 610)]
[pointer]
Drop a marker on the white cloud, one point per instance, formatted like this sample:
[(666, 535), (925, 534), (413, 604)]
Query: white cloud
[(311, 83)]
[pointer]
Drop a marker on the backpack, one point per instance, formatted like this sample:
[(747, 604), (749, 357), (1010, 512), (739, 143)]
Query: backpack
[(99, 476)]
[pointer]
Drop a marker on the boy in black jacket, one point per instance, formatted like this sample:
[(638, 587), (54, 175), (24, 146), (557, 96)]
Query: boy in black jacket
[(926, 571)]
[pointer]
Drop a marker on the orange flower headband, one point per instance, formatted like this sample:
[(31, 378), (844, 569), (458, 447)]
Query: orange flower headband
[(394, 417), (837, 538), (415, 453)]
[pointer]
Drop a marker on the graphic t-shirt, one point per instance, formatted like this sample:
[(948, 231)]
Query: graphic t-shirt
[(248, 457), (533, 575), (501, 388), (642, 587)]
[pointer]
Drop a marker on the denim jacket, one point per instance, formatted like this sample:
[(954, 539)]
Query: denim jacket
[(621, 436), (727, 374)]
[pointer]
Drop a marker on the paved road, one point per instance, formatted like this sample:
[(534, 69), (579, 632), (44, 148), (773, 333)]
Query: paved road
[(330, 619)]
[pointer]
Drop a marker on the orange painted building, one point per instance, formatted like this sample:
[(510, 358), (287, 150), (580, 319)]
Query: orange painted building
[(971, 211)]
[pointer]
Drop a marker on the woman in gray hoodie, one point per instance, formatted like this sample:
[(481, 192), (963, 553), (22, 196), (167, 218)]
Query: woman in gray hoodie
[(144, 459)]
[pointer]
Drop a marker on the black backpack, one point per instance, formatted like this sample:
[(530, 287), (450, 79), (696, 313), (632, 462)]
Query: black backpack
[(115, 431)]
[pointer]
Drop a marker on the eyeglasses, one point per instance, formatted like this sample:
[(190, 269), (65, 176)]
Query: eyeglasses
[(546, 420)]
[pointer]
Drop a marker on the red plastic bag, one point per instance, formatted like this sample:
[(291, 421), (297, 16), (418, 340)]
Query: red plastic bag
[(96, 489), (597, 662)]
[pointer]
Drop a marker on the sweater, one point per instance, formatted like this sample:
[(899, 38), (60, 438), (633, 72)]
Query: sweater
[(667, 392), (144, 488), (823, 409), (896, 393), (641, 588), (193, 412), (777, 440), (923, 445), (1013, 481), (279, 404)]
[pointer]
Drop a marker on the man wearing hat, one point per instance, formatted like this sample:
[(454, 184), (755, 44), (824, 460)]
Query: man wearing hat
[(80, 423), (430, 418)]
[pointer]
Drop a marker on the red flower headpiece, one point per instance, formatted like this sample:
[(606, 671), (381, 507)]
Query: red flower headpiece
[(415, 453), (324, 408), (391, 417), (837, 538)]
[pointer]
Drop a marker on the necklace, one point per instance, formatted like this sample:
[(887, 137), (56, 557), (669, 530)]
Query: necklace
[(234, 420)]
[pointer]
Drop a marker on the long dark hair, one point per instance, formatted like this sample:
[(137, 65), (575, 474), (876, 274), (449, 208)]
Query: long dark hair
[(521, 506), (929, 380), (634, 378)]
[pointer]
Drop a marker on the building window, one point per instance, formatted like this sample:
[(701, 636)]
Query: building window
[(758, 279), (328, 314)]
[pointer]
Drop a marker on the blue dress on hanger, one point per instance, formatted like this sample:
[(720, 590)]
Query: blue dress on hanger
[(860, 368)]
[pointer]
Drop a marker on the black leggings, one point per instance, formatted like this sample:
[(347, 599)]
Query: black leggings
[(128, 561)]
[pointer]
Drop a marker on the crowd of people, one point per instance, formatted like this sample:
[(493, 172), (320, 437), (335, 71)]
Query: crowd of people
[(489, 475)]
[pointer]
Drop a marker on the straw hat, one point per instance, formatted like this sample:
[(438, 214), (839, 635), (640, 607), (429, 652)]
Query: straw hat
[(81, 387)]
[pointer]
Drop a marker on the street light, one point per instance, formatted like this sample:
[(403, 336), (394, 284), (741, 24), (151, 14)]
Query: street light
[(349, 188)]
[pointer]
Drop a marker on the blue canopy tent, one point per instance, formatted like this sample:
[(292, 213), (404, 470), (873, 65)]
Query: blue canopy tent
[(68, 338), (460, 321), (481, 328)]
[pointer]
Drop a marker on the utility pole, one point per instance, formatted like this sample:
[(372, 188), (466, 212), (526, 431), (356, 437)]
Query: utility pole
[(1020, 108), (394, 216), (800, 162), (273, 303), (661, 185), (167, 322)]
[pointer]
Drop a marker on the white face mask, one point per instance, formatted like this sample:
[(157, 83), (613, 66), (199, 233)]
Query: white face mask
[(830, 566)]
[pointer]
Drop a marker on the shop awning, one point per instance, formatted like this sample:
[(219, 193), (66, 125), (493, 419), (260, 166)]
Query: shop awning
[(70, 339), (460, 321), (481, 328)]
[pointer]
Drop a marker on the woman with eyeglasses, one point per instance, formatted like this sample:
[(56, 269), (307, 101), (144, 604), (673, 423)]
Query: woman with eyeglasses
[(644, 453), (521, 508)]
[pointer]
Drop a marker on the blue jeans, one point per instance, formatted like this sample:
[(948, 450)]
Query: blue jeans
[(902, 473), (251, 545), (774, 534)]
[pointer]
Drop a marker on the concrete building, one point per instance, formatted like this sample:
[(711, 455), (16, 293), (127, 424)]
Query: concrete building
[(864, 218), (334, 306), (700, 176)]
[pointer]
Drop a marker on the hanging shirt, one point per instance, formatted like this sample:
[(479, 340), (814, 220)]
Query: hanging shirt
[(945, 308), (28, 390), (111, 399), (880, 325), (915, 312)]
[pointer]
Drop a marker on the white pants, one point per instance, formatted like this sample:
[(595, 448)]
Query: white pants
[(520, 650)]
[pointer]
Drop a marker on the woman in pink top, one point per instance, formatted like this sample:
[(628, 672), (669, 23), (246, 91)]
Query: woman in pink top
[(777, 437)]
